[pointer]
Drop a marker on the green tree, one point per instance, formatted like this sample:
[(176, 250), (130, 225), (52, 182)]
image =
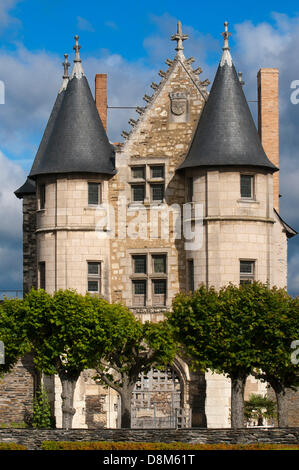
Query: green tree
[(12, 333), (136, 348), (66, 332), (275, 329), (221, 331)]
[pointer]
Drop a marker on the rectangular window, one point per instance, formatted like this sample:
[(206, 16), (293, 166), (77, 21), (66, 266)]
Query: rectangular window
[(42, 275), (139, 293), (247, 186), (42, 196), (94, 277), (247, 269), (94, 193), (138, 192), (159, 291), (139, 262), (138, 172), (189, 189), (157, 192), (157, 171), (191, 275), (159, 264)]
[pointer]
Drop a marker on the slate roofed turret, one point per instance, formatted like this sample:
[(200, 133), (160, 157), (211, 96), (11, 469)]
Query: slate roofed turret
[(77, 141), (226, 134), (29, 187)]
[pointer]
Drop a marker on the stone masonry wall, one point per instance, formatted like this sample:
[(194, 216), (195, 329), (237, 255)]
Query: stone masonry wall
[(17, 391), (33, 438)]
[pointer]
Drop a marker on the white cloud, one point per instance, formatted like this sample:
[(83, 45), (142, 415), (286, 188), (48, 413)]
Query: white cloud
[(84, 25), (11, 177), (6, 19)]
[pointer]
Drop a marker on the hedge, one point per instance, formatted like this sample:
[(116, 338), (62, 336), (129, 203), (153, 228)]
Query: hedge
[(86, 445), (11, 446)]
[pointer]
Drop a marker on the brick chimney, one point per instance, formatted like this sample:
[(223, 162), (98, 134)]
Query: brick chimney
[(268, 121), (101, 97)]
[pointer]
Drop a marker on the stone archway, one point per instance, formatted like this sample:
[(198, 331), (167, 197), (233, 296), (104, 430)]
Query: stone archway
[(158, 400)]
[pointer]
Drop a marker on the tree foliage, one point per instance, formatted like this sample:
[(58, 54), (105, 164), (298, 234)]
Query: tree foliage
[(13, 333)]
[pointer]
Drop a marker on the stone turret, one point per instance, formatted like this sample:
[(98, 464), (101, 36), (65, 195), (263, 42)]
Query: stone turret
[(71, 171)]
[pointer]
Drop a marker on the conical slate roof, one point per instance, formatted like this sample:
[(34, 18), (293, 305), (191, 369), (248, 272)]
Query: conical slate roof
[(76, 141), (29, 187), (226, 134)]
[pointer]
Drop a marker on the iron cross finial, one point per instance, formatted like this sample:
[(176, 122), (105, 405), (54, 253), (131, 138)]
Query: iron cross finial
[(66, 66), (179, 37), (77, 49), (226, 35)]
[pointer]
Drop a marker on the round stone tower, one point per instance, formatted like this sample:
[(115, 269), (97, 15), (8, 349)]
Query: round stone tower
[(231, 179), (71, 171)]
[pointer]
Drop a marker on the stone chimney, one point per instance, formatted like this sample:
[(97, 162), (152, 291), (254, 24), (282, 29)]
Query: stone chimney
[(268, 121), (101, 97)]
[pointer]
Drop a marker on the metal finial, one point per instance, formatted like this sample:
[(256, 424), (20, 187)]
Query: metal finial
[(77, 49), (66, 66), (226, 35), (179, 37)]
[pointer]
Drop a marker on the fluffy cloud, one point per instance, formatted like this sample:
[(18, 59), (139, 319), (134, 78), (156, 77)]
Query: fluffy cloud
[(6, 19), (11, 177), (84, 25)]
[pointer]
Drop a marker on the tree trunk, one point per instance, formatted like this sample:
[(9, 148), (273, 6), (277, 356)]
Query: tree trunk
[(126, 401), (237, 402), (282, 407), (68, 411)]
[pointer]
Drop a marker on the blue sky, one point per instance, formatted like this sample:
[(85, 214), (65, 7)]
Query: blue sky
[(130, 42)]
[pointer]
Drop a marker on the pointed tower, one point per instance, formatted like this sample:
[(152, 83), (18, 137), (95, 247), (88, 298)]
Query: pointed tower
[(71, 172), (226, 134), (231, 181), (27, 192)]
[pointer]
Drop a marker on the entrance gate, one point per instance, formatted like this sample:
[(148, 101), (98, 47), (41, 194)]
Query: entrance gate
[(157, 401)]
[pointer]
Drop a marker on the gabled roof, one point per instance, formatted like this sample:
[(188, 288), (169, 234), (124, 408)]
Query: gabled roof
[(226, 134), (29, 187), (76, 141), (178, 61)]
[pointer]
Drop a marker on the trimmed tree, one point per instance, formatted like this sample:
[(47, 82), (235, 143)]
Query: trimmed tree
[(275, 330), (12, 333), (66, 332), (136, 348), (218, 332)]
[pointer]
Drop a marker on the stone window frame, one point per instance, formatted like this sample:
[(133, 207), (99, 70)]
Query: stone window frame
[(253, 187), (100, 193), (42, 191), (148, 181), (249, 277), (95, 277), (149, 276)]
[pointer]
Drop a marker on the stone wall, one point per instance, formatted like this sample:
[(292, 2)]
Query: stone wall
[(33, 438), (17, 391)]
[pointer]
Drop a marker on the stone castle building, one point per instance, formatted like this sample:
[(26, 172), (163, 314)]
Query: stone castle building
[(191, 196)]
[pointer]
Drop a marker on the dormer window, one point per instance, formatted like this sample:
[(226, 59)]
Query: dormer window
[(247, 186)]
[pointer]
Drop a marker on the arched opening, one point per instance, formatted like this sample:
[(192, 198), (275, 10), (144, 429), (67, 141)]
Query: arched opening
[(157, 400)]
